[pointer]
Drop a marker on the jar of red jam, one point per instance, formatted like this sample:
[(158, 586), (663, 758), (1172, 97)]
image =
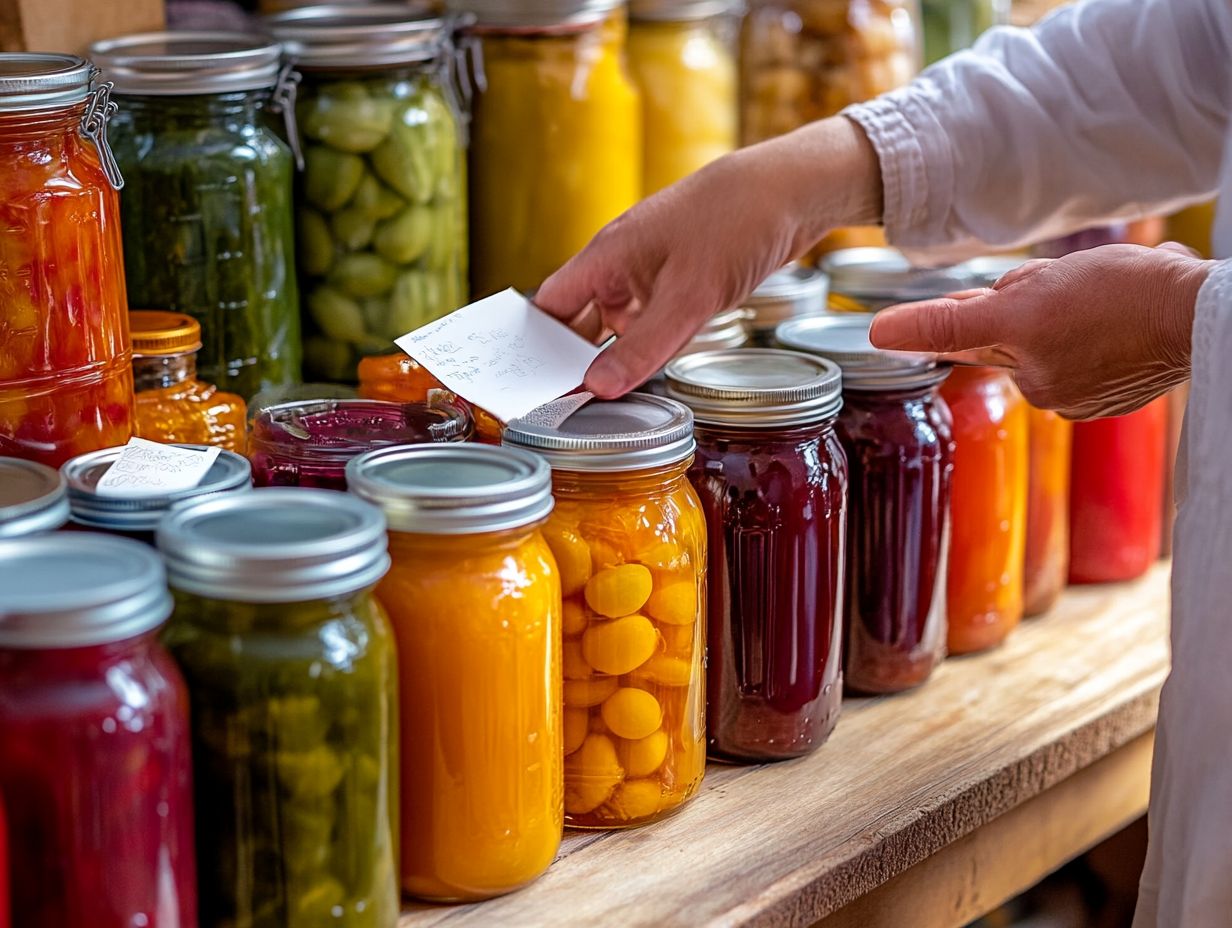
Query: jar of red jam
[(772, 478), (4, 869), (138, 516), (308, 443), (96, 776), (897, 432), (33, 498)]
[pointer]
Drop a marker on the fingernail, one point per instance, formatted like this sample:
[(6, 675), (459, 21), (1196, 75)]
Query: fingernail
[(881, 332)]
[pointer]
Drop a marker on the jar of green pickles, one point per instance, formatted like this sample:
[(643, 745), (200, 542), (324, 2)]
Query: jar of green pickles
[(206, 209), (291, 673), (382, 203)]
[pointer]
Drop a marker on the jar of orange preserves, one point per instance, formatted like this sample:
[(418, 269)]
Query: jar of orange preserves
[(66, 382), (630, 540), (1047, 559), (988, 507), (474, 598), (172, 404)]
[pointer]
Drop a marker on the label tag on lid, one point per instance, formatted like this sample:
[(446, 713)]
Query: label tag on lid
[(503, 354), (147, 468)]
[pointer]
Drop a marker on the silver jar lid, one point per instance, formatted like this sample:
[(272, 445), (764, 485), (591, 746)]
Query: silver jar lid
[(680, 10), (274, 546), (230, 472), (635, 432), (33, 498), (75, 590), (34, 80), (843, 339), (454, 489), (726, 329), (791, 291), (532, 14), (878, 277), (360, 36), (756, 387), (182, 63)]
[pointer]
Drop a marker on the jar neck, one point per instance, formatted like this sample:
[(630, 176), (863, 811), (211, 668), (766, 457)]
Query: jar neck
[(897, 397), (647, 480), (794, 435), (48, 664), (38, 125), (243, 618), (160, 372), (194, 110), (422, 546)]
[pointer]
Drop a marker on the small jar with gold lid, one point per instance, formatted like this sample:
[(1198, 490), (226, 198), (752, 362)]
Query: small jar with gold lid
[(172, 404)]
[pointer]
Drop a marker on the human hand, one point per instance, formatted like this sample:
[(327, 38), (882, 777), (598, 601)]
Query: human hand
[(657, 273), (1095, 333)]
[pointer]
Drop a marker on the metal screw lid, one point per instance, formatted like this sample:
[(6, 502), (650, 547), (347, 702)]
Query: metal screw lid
[(33, 498), (162, 334), (184, 63), (883, 276), (843, 339), (75, 590), (726, 329), (458, 489), (531, 14), (681, 10), (756, 387), (636, 432), (33, 80), (794, 290), (231, 472), (359, 36), (274, 546)]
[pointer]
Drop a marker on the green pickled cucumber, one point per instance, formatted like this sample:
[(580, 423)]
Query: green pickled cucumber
[(314, 905), (443, 249), (404, 238), (376, 311), (316, 245), (330, 177), (336, 314), (404, 161), (345, 117), (362, 275), (377, 200), (352, 227), (310, 774)]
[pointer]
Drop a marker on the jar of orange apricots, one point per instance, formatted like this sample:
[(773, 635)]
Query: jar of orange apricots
[(629, 539)]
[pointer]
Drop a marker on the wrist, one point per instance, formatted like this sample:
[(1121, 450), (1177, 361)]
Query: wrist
[(1174, 327)]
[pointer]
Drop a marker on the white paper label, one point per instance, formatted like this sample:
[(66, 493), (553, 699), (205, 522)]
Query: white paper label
[(503, 354), (146, 468)]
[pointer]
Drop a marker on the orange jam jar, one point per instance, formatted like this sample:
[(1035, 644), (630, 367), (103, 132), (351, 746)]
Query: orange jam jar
[(66, 381), (172, 404), (630, 541), (474, 598)]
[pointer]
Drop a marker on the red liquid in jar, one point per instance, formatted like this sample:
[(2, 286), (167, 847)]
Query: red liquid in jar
[(96, 780), (775, 505), (900, 451)]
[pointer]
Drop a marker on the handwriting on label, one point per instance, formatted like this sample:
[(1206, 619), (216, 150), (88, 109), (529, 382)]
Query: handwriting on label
[(503, 354), (147, 468)]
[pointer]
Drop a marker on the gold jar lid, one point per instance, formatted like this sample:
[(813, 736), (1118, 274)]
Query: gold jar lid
[(157, 333)]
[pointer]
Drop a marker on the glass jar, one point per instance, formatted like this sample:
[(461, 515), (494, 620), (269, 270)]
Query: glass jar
[(96, 777), (1047, 563), (136, 517), (772, 479), (682, 58), (308, 443), (66, 379), (1115, 493), (397, 378), (474, 599), (952, 25), (988, 507), (629, 540), (172, 404), (4, 868), (725, 329), (557, 135), (207, 208), (788, 293), (382, 203), (33, 498), (898, 435), (292, 676)]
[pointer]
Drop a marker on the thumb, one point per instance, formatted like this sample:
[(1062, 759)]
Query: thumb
[(943, 325)]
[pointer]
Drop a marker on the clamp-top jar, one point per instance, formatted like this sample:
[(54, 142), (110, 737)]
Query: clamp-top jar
[(896, 431), (630, 543), (382, 202), (207, 209), (66, 381), (772, 478)]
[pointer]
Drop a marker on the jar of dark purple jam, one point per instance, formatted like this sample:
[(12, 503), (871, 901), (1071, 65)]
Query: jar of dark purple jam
[(896, 431), (307, 443), (772, 478)]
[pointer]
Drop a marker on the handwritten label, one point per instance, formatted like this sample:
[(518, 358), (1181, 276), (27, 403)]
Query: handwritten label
[(146, 468), (503, 354)]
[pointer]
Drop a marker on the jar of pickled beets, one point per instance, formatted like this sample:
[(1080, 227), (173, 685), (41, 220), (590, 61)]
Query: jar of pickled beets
[(291, 669), (33, 498), (307, 443), (772, 479), (96, 778), (630, 543), (897, 433), (474, 598)]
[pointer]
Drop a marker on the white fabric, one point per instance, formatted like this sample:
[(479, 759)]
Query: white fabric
[(1111, 109)]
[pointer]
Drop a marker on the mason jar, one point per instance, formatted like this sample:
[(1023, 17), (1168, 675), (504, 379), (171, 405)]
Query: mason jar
[(791, 292), (33, 498)]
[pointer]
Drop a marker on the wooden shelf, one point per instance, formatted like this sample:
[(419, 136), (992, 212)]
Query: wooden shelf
[(943, 800)]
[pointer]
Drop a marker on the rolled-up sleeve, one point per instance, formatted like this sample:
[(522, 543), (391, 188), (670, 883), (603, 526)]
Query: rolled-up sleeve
[(1108, 109)]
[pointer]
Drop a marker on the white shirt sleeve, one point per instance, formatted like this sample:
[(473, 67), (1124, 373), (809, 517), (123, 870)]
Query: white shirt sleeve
[(1108, 109)]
